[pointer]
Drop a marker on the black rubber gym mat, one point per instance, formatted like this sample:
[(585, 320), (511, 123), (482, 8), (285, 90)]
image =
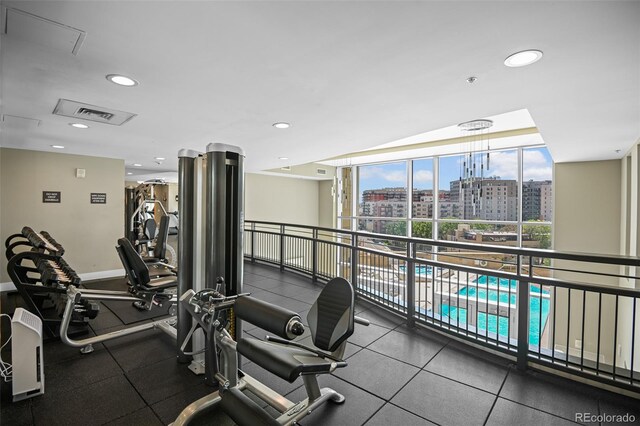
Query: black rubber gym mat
[(128, 314), (124, 310)]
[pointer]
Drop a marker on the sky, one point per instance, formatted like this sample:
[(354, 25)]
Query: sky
[(537, 165)]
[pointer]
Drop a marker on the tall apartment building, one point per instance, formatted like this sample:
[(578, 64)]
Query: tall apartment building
[(537, 200), (499, 200)]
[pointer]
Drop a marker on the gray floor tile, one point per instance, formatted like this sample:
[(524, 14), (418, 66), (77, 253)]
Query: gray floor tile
[(142, 349), (462, 367), (357, 408), (392, 415), (615, 409), (563, 399), (389, 377), (507, 413), (444, 401), (15, 413), (162, 380), (407, 348), (380, 317), (364, 335), (144, 417), (80, 371), (93, 404)]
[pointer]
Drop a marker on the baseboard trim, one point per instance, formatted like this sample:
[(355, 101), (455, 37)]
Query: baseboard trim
[(88, 276)]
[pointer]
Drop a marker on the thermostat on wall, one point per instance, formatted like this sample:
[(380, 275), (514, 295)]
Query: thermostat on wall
[(80, 173)]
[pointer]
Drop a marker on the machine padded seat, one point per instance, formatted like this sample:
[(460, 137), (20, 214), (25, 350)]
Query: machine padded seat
[(138, 271), (331, 322), (285, 362)]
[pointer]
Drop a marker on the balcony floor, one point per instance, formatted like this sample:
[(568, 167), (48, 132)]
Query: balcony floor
[(395, 376)]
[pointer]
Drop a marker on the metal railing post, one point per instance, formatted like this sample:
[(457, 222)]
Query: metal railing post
[(314, 256), (282, 247), (253, 242), (354, 261), (410, 285), (523, 317)]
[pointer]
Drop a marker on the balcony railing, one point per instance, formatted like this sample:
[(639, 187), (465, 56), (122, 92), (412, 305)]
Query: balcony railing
[(572, 312)]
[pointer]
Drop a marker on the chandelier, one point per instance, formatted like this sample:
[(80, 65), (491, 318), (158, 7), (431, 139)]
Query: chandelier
[(474, 162)]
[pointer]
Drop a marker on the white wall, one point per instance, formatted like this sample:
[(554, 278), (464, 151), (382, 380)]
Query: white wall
[(88, 232), (280, 199)]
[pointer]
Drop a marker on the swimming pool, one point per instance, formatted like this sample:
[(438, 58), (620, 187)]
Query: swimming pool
[(421, 270), (490, 321)]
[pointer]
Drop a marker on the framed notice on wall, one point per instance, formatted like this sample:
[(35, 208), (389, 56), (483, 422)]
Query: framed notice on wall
[(98, 198), (50, 196)]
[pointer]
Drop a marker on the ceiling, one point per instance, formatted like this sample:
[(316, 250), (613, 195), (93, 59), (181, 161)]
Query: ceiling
[(348, 76)]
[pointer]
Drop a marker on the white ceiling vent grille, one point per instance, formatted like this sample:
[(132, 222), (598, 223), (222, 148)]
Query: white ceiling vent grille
[(321, 171), (17, 122), (75, 109), (45, 32)]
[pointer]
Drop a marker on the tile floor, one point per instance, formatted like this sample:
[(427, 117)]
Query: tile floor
[(396, 376)]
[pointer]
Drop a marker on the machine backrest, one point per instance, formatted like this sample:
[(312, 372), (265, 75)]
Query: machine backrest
[(134, 266), (150, 228), (160, 248), (331, 316)]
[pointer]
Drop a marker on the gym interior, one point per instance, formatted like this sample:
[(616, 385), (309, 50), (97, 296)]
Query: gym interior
[(320, 213)]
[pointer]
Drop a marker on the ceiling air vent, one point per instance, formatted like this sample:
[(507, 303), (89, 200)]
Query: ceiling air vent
[(321, 171), (91, 114), (84, 111)]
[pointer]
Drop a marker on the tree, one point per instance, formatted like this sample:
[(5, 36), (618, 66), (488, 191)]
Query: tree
[(396, 228), (541, 233), (447, 228), (422, 229)]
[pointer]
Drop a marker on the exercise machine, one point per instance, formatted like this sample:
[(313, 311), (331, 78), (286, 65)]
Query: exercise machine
[(42, 276), (144, 293), (331, 322), (210, 203)]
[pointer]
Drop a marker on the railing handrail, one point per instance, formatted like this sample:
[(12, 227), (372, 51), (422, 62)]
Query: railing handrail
[(522, 251), (390, 278)]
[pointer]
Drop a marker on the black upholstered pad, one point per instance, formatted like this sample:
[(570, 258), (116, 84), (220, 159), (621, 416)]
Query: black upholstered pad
[(331, 316), (161, 283), (286, 362)]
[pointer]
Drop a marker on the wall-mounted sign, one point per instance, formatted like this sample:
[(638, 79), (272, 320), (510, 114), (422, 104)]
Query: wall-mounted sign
[(98, 198), (50, 196)]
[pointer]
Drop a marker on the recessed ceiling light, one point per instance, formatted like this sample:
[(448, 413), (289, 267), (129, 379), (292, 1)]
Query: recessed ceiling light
[(57, 146), (520, 59), (79, 125), (283, 158), (129, 173), (281, 125), (122, 80), (137, 165), (160, 158)]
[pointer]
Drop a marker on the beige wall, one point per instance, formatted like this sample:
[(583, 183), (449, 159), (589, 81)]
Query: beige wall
[(88, 232), (587, 207), (326, 204), (587, 218), (280, 199)]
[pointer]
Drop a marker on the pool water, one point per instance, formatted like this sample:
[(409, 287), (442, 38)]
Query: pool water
[(491, 322), (421, 270)]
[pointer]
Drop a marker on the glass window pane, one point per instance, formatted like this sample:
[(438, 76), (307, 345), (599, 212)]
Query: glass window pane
[(537, 184), (422, 196), (536, 236), (383, 226), (383, 190), (480, 186)]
